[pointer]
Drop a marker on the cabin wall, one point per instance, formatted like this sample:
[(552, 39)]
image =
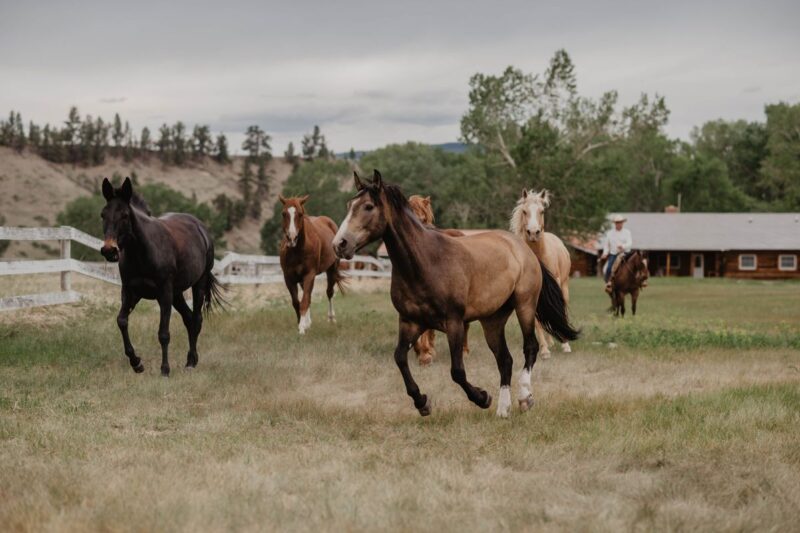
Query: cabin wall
[(583, 264), (766, 263)]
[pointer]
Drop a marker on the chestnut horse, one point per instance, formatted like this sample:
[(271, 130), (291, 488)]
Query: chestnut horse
[(629, 278), (442, 282), (425, 347), (159, 258), (527, 221), (305, 252)]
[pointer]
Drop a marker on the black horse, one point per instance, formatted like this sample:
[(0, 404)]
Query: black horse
[(159, 258)]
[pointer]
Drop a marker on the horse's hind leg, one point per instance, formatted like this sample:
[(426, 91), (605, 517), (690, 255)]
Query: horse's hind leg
[(634, 297), (494, 331), (621, 304), (331, 273), (192, 319), (455, 338), (541, 338), (526, 313), (129, 301), (565, 347), (165, 304), (407, 335)]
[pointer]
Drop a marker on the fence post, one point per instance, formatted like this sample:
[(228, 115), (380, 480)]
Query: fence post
[(66, 246)]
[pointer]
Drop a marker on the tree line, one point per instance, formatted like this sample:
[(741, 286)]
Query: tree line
[(88, 141), (527, 130)]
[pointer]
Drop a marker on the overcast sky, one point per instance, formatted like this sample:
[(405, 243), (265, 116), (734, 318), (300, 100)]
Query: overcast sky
[(372, 73)]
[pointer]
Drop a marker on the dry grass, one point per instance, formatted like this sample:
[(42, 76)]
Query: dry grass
[(273, 431)]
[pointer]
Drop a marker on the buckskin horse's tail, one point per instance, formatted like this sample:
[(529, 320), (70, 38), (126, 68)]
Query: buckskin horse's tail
[(551, 311), (214, 293)]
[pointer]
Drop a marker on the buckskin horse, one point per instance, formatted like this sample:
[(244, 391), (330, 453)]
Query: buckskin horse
[(442, 282), (527, 221), (306, 251), (425, 347), (159, 258), (629, 278)]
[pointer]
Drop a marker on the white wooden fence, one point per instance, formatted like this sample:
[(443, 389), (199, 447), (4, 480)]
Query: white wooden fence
[(233, 268)]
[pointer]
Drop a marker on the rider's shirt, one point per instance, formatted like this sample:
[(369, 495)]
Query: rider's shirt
[(615, 239)]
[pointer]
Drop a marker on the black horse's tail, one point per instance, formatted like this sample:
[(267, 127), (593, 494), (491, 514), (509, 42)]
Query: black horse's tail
[(214, 293), (339, 277), (551, 311)]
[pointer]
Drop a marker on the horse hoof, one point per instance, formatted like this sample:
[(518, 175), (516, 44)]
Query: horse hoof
[(487, 403), (545, 355), (165, 372), (425, 410), (139, 368), (526, 404), (567, 348)]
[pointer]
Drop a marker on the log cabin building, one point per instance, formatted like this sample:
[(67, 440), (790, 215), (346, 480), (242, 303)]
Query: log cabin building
[(701, 245)]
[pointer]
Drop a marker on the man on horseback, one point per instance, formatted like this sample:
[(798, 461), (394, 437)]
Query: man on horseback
[(618, 241)]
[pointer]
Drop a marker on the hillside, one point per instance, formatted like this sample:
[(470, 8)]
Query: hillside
[(34, 190)]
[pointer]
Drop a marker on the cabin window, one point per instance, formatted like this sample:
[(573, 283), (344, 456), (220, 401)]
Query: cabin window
[(674, 261), (748, 262), (787, 262)]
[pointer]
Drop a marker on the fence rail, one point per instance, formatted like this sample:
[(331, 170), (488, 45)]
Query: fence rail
[(233, 268)]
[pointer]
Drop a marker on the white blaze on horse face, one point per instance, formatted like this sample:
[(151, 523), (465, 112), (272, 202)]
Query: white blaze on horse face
[(292, 234), (535, 214), (504, 402)]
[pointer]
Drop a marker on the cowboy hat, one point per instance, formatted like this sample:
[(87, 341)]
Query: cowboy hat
[(618, 218)]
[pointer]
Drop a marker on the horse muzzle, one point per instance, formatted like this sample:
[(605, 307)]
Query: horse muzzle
[(344, 247), (110, 251)]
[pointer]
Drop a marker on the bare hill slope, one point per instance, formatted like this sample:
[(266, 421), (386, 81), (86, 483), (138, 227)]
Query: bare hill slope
[(34, 190)]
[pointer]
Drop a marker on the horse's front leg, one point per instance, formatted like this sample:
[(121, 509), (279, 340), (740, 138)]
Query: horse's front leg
[(408, 334), (165, 303), (634, 297), (305, 303), (455, 338), (129, 301), (292, 286)]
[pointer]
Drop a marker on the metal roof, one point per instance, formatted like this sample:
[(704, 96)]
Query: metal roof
[(714, 231)]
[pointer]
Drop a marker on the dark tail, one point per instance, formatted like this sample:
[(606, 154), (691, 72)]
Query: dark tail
[(340, 279), (551, 311), (214, 294)]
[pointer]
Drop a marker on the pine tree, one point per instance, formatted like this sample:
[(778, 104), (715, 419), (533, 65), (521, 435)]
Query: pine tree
[(86, 141), (20, 140), (246, 182), (117, 134), (130, 144), (263, 180), (289, 154), (179, 143), (221, 150), (100, 145), (70, 135), (7, 131), (314, 145), (145, 142), (257, 144), (352, 154), (165, 144), (34, 135), (201, 141)]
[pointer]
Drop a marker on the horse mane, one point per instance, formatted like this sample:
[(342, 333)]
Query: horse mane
[(395, 198), (138, 202)]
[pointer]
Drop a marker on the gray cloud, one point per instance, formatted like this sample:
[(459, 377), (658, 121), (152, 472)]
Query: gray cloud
[(371, 73)]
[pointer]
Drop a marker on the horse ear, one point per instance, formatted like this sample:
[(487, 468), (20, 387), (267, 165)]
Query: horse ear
[(303, 199), (282, 199), (545, 196), (524, 193), (358, 182), (377, 179), (108, 189), (428, 200), (126, 191)]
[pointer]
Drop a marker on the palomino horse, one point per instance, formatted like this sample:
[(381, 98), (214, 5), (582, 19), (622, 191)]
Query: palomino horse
[(442, 282), (527, 221), (425, 347), (631, 274), (159, 258), (305, 252)]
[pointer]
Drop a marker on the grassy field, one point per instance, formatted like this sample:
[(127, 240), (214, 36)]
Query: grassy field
[(685, 417)]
